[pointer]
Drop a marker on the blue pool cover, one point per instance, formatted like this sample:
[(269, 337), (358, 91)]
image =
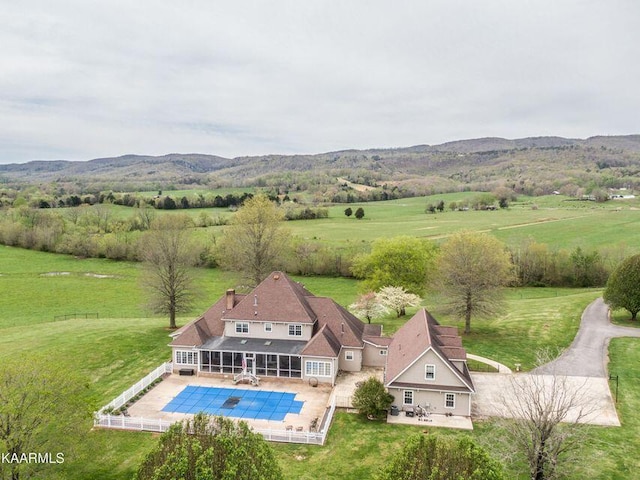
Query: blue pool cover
[(235, 402)]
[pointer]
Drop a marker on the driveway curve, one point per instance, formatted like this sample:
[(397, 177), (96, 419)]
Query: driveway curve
[(587, 356)]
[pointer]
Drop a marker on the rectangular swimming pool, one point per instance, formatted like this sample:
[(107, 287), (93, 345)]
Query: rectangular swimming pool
[(235, 402)]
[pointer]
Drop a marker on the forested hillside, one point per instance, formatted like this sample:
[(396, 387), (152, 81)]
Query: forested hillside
[(530, 165)]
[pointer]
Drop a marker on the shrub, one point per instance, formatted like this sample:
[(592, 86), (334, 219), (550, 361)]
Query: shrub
[(371, 399)]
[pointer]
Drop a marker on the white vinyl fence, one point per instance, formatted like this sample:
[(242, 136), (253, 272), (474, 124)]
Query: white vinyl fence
[(138, 387), (123, 422), (342, 401)]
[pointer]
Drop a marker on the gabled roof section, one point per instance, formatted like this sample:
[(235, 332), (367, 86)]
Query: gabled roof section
[(279, 299), (209, 324), (408, 343), (373, 334), (345, 327), (414, 338), (454, 353), (372, 330), (378, 341), (276, 299), (323, 344)]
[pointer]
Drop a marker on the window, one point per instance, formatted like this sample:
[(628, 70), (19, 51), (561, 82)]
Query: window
[(348, 355), (295, 330), (317, 369), (242, 327), (430, 372), (407, 397), (268, 327), (186, 358), (449, 400), (383, 352)]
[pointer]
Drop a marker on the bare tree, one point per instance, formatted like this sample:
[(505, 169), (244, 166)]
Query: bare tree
[(101, 216), (548, 412), (144, 217), (169, 255), (73, 214), (472, 268), (254, 242)]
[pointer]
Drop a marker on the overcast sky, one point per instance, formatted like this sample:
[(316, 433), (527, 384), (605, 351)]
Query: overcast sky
[(85, 79)]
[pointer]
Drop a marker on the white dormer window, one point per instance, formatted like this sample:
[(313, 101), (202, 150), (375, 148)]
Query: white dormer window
[(268, 327), (430, 372), (242, 327), (348, 355), (295, 330)]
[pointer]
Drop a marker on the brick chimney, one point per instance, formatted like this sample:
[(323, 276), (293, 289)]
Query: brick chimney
[(231, 298)]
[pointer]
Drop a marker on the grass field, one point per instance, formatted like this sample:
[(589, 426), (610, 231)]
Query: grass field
[(113, 352), (559, 224), (613, 226)]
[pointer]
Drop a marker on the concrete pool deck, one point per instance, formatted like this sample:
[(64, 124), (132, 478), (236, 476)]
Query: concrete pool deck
[(316, 400)]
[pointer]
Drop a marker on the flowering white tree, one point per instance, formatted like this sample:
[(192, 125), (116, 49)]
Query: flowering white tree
[(397, 299), (368, 306)]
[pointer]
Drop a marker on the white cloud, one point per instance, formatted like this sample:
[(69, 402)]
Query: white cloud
[(86, 79)]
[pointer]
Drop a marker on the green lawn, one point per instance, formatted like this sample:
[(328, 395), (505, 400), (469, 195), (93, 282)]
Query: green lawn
[(623, 318), (113, 352), (38, 286)]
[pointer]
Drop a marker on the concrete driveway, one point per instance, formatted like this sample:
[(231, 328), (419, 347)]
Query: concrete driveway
[(583, 366), (493, 390)]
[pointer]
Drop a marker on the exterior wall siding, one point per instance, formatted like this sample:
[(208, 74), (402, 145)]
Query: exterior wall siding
[(371, 356), (279, 331), (435, 400), (416, 373), (354, 365)]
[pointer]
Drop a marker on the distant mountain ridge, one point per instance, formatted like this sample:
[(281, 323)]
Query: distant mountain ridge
[(451, 160)]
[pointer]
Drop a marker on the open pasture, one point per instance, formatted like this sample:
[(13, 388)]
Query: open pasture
[(560, 224), (555, 220), (38, 286)]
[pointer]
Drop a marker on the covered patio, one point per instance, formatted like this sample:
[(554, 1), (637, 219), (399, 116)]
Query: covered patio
[(264, 358)]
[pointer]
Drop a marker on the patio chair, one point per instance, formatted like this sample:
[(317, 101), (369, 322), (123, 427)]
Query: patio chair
[(424, 413), (313, 426)]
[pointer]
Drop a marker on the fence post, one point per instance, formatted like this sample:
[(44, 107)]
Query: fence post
[(611, 377)]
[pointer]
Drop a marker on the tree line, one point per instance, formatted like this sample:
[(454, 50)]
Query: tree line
[(98, 232)]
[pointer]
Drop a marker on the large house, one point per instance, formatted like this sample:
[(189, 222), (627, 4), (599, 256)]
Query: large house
[(426, 365), (279, 329)]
